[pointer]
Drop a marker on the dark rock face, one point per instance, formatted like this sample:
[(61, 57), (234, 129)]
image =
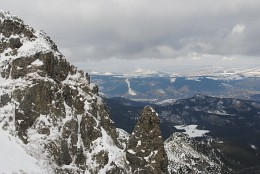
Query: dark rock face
[(145, 148)]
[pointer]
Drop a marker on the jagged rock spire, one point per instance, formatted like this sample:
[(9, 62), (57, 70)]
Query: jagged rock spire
[(145, 149)]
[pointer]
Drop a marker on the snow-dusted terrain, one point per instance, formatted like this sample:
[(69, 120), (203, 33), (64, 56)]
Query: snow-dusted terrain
[(217, 73), (241, 84), (184, 158)]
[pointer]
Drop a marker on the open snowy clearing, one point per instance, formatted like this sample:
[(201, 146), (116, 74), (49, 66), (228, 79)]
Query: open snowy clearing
[(192, 131)]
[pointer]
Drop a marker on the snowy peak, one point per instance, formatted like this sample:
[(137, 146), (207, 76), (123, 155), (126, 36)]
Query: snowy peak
[(6, 15), (20, 40), (145, 150)]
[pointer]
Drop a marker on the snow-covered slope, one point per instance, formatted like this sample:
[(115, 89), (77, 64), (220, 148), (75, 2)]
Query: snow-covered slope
[(14, 157), (184, 158)]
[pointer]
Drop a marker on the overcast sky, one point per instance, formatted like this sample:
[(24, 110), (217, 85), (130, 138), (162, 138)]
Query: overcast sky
[(124, 35)]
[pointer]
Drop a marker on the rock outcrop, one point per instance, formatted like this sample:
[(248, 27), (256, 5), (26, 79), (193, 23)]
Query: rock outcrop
[(145, 149)]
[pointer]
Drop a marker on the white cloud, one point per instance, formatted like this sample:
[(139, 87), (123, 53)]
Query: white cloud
[(238, 29), (166, 51), (228, 58), (196, 56)]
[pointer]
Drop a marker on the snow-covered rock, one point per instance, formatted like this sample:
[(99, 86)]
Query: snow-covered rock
[(50, 108), (183, 157)]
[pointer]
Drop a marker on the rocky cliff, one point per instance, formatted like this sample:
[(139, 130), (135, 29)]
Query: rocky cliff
[(145, 149), (51, 105), (53, 112)]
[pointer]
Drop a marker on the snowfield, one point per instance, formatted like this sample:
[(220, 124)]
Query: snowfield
[(192, 131), (14, 157)]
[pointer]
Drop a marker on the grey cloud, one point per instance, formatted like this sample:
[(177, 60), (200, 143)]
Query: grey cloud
[(132, 29)]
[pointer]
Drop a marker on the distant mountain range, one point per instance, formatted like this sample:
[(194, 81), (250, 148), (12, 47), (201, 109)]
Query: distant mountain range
[(166, 88)]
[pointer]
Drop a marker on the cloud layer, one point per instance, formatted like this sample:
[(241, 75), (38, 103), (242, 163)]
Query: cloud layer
[(200, 30)]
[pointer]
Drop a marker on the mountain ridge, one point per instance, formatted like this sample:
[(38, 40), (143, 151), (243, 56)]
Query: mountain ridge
[(167, 88)]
